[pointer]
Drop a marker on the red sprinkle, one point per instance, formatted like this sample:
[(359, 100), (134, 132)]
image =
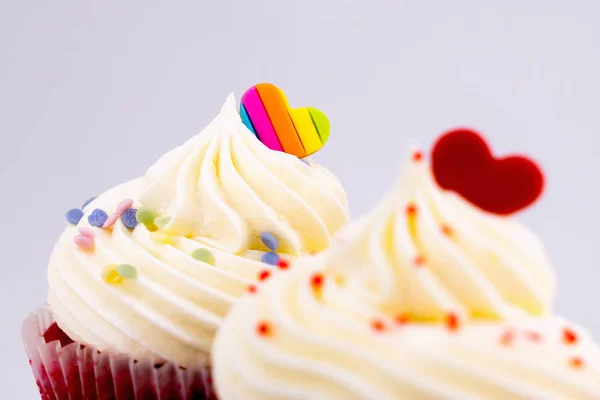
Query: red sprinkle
[(264, 275), (411, 209), (576, 362), (317, 280), (452, 322), (252, 288), (533, 336), (417, 156), (401, 319), (378, 325), (447, 230), (569, 337), (507, 338), (419, 261), (283, 264), (264, 328)]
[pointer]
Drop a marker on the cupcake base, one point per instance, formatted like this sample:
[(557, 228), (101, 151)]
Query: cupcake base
[(64, 369)]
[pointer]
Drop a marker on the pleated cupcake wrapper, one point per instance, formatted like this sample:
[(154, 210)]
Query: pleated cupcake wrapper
[(76, 372)]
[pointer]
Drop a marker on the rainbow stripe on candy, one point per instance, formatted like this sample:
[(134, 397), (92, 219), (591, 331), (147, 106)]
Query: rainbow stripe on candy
[(266, 112)]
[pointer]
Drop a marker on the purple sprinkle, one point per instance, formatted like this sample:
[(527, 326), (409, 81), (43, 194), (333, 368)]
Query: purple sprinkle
[(129, 218), (270, 258), (97, 218), (74, 216), (88, 202), (269, 240)]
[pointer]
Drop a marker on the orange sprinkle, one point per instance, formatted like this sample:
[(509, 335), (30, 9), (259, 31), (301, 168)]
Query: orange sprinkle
[(569, 337), (419, 261), (264, 275), (283, 264), (507, 338), (576, 362), (317, 280), (533, 336), (264, 328), (452, 322), (417, 156), (252, 288), (447, 230), (378, 325), (401, 319), (411, 209)]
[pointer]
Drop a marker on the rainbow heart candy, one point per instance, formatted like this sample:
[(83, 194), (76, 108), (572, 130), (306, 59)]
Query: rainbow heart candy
[(266, 112)]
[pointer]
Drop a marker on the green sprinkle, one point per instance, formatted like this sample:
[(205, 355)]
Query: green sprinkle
[(204, 255), (162, 222), (127, 271), (145, 216)]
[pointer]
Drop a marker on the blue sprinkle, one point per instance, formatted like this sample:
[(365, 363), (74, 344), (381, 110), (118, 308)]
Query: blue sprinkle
[(269, 240), (97, 218), (129, 218), (88, 202), (270, 258), (74, 216)]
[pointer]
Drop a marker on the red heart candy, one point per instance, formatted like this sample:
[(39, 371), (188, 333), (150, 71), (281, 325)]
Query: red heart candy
[(461, 161)]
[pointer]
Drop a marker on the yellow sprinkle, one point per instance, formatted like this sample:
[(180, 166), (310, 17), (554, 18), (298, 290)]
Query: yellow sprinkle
[(161, 237), (110, 274)]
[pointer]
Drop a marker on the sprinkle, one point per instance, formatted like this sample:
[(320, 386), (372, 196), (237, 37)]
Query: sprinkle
[(127, 271), (283, 264), (162, 222), (378, 325), (576, 362), (417, 156), (124, 206), (85, 231), (269, 240), (507, 338), (145, 216), (252, 288), (74, 216), (419, 261), (264, 328), (447, 230), (317, 280), (161, 237), (111, 275), (128, 218), (270, 258), (204, 255), (452, 322), (84, 242), (114, 217), (97, 218), (88, 202), (533, 336), (569, 337), (263, 275), (411, 209), (401, 319)]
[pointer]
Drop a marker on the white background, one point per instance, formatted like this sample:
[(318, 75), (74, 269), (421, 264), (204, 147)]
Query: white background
[(91, 93)]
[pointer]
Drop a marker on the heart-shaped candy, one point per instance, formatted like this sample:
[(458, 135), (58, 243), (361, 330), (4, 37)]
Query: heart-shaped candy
[(266, 112), (461, 161)]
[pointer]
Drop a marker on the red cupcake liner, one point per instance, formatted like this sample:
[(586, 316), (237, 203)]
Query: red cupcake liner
[(68, 370)]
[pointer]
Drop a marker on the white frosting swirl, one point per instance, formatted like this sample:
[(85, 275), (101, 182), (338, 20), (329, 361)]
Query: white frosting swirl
[(221, 189), (480, 279)]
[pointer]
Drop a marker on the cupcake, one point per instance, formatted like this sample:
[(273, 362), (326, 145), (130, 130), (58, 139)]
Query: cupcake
[(142, 278), (438, 293)]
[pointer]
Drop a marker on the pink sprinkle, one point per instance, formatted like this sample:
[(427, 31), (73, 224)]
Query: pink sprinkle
[(111, 220), (84, 242), (124, 206), (85, 231)]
